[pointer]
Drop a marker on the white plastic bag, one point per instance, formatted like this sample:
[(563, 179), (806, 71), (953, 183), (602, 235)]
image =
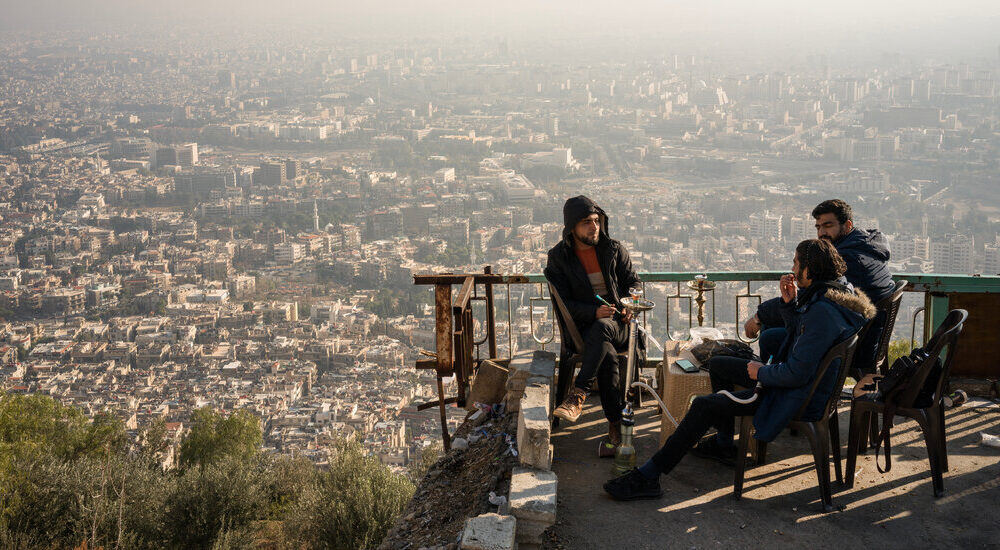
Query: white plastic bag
[(700, 334)]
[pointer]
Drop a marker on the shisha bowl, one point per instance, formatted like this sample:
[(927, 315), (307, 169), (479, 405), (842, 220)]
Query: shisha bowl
[(637, 305), (701, 282)]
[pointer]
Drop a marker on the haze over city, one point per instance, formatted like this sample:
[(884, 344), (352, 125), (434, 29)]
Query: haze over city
[(223, 204)]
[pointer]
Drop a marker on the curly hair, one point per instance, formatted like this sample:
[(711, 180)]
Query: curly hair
[(821, 258), (840, 209)]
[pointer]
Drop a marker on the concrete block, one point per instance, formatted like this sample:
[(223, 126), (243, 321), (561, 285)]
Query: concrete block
[(489, 532), (527, 367), (533, 363), (489, 385), (533, 495), (534, 428)]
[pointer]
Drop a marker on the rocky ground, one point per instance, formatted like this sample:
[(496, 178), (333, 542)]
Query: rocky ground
[(458, 487)]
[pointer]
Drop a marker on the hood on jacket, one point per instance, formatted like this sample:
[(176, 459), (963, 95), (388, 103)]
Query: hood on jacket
[(852, 299), (577, 208), (870, 242)]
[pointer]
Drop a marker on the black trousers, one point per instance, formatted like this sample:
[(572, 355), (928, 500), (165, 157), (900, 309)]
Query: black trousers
[(729, 372), (707, 411), (726, 374), (601, 342)]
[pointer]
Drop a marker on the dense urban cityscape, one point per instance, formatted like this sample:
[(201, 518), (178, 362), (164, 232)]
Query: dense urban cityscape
[(236, 224)]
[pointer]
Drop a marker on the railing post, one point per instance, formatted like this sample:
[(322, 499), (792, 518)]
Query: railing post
[(936, 305), (491, 315), (442, 312)]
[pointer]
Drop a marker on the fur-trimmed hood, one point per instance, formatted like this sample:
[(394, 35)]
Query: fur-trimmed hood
[(856, 301)]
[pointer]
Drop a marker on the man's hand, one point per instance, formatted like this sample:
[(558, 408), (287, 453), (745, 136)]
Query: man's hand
[(627, 316), (604, 312), (787, 286), (752, 327), (752, 368)]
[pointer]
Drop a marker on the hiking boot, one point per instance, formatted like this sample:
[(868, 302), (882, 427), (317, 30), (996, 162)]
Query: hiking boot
[(610, 444), (572, 406), (633, 485), (711, 448)]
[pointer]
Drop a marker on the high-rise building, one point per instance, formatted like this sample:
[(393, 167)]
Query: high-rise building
[(187, 154), (765, 226), (953, 254), (293, 169), (992, 264), (801, 228), (227, 80), (910, 246), (272, 174), (552, 126), (163, 156)]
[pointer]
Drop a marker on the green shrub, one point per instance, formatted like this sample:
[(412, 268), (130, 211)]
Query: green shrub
[(66, 482), (352, 505)]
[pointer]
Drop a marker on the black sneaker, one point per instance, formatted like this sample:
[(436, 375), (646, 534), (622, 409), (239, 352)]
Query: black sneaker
[(711, 449), (633, 485)]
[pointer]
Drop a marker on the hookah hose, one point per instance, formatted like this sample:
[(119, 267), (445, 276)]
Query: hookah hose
[(748, 400), (752, 398), (657, 397)]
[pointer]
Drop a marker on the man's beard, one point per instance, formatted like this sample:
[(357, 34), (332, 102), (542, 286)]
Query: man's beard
[(827, 238), (590, 241)]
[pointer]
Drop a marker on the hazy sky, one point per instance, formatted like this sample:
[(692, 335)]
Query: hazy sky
[(920, 26)]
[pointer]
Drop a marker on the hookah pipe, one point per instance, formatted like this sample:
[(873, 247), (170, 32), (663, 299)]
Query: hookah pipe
[(627, 412)]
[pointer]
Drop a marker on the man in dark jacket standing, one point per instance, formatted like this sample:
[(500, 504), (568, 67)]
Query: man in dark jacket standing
[(866, 254), (824, 311), (585, 264)]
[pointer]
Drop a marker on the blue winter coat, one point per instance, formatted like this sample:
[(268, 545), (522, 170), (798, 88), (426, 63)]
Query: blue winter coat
[(812, 329), (866, 253)]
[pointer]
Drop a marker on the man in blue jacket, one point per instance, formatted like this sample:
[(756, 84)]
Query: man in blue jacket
[(824, 311), (866, 254)]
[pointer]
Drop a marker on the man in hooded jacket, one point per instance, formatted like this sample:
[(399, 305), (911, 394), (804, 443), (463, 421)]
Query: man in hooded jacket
[(866, 254), (585, 264), (824, 311)]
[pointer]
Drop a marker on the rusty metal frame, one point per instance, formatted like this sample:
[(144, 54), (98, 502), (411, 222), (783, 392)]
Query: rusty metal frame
[(454, 334)]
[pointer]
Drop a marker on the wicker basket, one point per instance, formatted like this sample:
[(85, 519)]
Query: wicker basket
[(679, 388)]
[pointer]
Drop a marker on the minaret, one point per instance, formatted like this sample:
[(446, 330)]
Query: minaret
[(315, 217)]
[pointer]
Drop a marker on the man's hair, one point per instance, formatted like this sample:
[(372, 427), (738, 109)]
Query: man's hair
[(837, 207), (821, 258)]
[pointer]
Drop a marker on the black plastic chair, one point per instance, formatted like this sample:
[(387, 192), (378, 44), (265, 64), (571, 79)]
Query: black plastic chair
[(568, 368), (823, 433), (889, 305), (931, 417)]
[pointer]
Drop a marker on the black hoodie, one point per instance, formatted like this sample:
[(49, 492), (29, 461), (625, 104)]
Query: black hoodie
[(565, 272)]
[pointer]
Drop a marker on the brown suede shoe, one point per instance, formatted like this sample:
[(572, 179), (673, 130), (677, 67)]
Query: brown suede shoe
[(608, 445), (572, 406)]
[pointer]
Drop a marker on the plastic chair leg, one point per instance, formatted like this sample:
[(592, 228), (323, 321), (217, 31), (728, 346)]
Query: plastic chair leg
[(834, 429), (933, 450), (855, 429), (741, 454), (944, 438), (821, 457)]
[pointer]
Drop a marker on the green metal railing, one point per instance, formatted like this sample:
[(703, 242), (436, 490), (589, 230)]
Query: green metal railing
[(458, 334), (936, 290)]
